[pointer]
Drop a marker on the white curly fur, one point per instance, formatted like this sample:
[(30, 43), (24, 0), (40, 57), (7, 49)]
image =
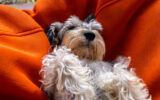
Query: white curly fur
[(62, 72), (119, 83), (71, 79)]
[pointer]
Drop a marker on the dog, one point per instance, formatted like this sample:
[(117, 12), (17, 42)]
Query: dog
[(75, 69)]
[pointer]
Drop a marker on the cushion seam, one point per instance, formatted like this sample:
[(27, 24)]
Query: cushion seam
[(104, 6), (17, 34)]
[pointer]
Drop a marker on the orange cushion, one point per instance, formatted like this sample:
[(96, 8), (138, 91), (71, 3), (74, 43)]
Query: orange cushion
[(47, 11), (22, 46)]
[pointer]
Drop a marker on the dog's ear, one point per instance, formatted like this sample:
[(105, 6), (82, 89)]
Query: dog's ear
[(52, 33), (89, 18)]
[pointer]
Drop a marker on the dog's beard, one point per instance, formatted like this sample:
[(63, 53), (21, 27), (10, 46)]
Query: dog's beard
[(93, 50)]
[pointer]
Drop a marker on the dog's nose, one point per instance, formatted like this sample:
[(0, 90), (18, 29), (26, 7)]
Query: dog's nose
[(89, 36)]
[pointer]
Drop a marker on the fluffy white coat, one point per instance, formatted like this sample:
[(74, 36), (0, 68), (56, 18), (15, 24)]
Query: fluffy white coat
[(69, 78)]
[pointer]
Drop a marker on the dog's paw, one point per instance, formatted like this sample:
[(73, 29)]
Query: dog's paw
[(122, 62)]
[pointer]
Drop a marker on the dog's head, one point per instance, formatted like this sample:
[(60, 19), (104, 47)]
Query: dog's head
[(83, 37)]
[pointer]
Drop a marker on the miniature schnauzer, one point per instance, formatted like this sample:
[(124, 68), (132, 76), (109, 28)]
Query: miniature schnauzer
[(74, 70)]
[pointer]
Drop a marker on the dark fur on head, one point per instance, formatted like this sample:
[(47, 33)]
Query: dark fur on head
[(52, 34), (89, 18)]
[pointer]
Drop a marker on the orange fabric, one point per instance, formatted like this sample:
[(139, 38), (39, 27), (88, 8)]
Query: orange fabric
[(131, 28), (22, 46), (47, 11)]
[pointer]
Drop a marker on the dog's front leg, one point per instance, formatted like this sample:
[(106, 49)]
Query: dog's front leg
[(65, 77)]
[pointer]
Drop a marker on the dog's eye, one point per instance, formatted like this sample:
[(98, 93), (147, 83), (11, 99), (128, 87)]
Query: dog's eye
[(71, 27)]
